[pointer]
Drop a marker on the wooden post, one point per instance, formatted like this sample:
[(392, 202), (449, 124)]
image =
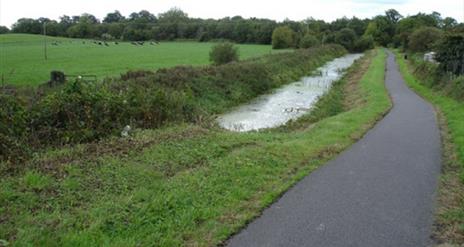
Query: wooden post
[(45, 39)]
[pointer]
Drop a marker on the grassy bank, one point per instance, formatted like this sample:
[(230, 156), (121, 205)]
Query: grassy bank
[(22, 57), (179, 185), (450, 218), (81, 112)]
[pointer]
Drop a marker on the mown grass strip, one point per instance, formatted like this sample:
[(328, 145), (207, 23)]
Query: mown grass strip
[(194, 190), (450, 212)]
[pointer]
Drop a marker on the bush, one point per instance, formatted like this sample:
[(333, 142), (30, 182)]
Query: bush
[(283, 37), (364, 43), (223, 53), (424, 39), (450, 54), (308, 41), (14, 120)]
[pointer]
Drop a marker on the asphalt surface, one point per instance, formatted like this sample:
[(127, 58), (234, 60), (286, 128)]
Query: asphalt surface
[(379, 192)]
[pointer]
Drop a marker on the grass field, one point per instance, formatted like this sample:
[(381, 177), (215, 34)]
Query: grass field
[(450, 219), (22, 57), (184, 185)]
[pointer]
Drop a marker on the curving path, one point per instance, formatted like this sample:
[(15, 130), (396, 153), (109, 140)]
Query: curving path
[(380, 192)]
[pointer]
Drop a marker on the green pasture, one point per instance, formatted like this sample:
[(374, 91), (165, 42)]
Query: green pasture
[(22, 59)]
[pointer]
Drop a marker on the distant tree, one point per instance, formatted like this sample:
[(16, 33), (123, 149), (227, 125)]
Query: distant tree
[(449, 23), (424, 39), (173, 15), (27, 25), (364, 43), (107, 37), (346, 37), (116, 16), (450, 54), (115, 29), (283, 37), (393, 16), (4, 30), (359, 26), (381, 29), (308, 41), (223, 53), (143, 16), (88, 19)]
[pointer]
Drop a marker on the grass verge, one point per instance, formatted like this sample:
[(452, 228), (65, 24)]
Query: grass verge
[(449, 225), (183, 185)]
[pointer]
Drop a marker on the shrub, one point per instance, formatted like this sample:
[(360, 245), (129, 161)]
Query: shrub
[(223, 53), (14, 121), (80, 112), (424, 39), (283, 37), (364, 43), (308, 41)]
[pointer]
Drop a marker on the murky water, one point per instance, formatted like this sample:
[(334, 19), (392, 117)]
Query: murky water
[(288, 102)]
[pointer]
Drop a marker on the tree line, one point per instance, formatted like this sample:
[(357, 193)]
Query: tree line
[(390, 28)]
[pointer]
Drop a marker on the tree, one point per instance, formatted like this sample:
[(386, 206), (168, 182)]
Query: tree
[(283, 37), (450, 54), (4, 30), (223, 53), (381, 29), (308, 41), (449, 23), (393, 16), (27, 25), (116, 16), (424, 39), (346, 37)]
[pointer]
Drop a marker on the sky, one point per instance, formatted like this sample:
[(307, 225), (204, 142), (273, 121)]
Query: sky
[(328, 10)]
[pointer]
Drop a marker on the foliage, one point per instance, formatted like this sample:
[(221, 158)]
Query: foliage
[(364, 43), (107, 37), (308, 41), (382, 29), (4, 30), (283, 37), (14, 120), (390, 28), (223, 53), (450, 54), (346, 37), (424, 39)]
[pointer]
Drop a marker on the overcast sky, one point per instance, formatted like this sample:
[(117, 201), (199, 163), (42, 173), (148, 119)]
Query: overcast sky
[(12, 10)]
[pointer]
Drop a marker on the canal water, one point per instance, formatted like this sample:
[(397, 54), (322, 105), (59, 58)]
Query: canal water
[(288, 102)]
